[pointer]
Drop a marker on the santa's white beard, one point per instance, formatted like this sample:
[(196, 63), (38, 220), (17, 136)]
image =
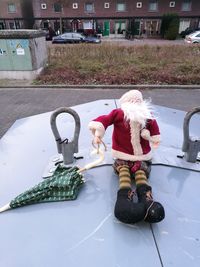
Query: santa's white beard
[(137, 112)]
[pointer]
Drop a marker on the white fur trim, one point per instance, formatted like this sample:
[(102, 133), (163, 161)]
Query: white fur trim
[(145, 134), (155, 138), (132, 96), (121, 155), (135, 138), (97, 128)]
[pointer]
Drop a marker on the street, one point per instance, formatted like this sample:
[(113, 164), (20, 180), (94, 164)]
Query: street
[(16, 103)]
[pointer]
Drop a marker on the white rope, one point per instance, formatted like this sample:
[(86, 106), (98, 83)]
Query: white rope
[(99, 152)]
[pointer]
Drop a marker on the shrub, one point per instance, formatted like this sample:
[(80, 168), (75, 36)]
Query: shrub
[(170, 26), (114, 64)]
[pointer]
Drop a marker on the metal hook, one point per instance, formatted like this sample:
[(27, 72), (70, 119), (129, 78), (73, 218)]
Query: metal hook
[(65, 147), (190, 147)]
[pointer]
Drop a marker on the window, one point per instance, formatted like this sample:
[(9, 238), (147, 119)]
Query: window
[(57, 7), (89, 7), (172, 4), (121, 7), (88, 25), (43, 6), (106, 5), (184, 24), (153, 5), (12, 25), (17, 25), (139, 4), (186, 5), (56, 26), (2, 26), (11, 8), (75, 5)]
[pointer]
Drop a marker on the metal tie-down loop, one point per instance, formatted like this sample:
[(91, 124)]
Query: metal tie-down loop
[(191, 147), (65, 147)]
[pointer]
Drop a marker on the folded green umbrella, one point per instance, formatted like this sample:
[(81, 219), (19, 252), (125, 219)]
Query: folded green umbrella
[(64, 184)]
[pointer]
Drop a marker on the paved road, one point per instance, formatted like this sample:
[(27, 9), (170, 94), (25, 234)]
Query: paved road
[(23, 102)]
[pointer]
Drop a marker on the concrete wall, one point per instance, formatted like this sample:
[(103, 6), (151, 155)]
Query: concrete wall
[(38, 52)]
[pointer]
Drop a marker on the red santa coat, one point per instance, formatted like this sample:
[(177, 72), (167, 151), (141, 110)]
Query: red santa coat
[(129, 140)]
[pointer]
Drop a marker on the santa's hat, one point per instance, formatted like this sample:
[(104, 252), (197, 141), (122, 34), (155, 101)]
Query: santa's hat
[(133, 96)]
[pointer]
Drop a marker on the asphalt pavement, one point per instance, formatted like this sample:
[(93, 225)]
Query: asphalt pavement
[(21, 102)]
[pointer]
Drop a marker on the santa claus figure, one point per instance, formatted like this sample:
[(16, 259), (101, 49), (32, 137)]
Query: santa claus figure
[(135, 133)]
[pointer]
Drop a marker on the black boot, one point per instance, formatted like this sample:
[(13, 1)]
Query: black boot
[(126, 210), (154, 210)]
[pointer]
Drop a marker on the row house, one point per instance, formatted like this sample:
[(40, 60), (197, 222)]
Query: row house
[(16, 14), (105, 17)]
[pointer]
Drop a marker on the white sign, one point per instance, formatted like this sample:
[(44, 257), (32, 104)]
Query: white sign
[(20, 51)]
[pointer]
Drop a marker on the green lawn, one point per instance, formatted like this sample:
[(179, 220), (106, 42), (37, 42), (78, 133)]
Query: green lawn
[(114, 64)]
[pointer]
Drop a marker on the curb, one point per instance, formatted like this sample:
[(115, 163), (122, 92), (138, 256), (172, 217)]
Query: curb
[(141, 86)]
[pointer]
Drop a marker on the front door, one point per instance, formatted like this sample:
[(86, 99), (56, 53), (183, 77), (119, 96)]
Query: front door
[(74, 25), (106, 30), (137, 27)]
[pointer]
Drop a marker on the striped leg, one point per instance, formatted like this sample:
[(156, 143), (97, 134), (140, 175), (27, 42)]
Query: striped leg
[(125, 209), (140, 178), (124, 177)]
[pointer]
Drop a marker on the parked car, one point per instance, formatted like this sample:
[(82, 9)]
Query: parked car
[(187, 31), (92, 39), (193, 38), (74, 37)]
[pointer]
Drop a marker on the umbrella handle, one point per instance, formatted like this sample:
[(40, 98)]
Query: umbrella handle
[(4, 208), (96, 162)]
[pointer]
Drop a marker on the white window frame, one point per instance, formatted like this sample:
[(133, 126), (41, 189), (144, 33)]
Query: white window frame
[(139, 5), (172, 4), (88, 25), (155, 3), (75, 5), (92, 5), (106, 5), (43, 6), (189, 7), (119, 5), (11, 5)]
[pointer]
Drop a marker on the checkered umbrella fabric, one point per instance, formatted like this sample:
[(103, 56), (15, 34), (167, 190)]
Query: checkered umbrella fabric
[(63, 185)]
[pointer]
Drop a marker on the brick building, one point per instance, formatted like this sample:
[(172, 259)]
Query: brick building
[(16, 14), (106, 17)]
